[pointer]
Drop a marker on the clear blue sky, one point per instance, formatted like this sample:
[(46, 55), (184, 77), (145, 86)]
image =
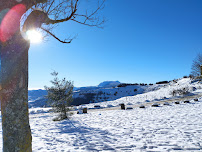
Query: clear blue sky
[(143, 41)]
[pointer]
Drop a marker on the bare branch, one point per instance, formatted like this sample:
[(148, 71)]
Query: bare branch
[(92, 25), (38, 1), (196, 65), (85, 19), (74, 9), (90, 18), (31, 3), (70, 40), (50, 6)]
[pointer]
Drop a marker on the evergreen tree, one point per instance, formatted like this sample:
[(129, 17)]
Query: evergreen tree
[(60, 95)]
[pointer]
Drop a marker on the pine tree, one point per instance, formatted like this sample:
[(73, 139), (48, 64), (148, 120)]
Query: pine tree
[(60, 95)]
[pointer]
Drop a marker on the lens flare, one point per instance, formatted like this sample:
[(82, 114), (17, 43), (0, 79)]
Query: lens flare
[(10, 23), (34, 36)]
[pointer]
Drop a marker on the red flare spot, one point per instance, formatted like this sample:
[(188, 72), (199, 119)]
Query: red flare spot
[(11, 22)]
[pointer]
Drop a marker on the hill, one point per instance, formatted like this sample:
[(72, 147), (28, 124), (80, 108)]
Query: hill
[(114, 93), (105, 91), (157, 92)]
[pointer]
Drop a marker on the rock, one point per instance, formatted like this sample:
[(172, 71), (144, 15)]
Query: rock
[(166, 103), (96, 106), (129, 108), (155, 105), (84, 110), (122, 106), (142, 106), (109, 106), (196, 99), (80, 111)]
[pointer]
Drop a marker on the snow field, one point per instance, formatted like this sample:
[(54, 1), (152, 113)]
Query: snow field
[(167, 128), (157, 129)]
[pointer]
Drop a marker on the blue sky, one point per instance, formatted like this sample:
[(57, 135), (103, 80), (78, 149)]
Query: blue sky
[(143, 41)]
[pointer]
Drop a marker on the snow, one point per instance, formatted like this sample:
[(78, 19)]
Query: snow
[(164, 128), (155, 93), (173, 127), (109, 84), (105, 91), (130, 94)]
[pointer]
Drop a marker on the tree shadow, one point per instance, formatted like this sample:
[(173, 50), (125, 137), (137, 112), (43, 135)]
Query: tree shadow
[(85, 137)]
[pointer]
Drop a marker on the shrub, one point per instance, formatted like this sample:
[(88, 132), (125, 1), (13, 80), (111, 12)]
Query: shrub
[(127, 84), (162, 82), (180, 92)]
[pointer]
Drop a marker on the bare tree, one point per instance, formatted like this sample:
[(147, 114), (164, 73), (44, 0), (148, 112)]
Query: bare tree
[(17, 17), (196, 65)]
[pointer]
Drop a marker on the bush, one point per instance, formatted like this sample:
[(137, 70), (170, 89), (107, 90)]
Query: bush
[(88, 97), (162, 82), (179, 92), (127, 84)]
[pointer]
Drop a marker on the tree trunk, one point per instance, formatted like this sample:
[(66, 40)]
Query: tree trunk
[(201, 69), (14, 95)]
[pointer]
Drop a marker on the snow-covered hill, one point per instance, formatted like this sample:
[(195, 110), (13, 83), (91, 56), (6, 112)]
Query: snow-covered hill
[(114, 93), (109, 84), (105, 84), (174, 89), (36, 98), (105, 91)]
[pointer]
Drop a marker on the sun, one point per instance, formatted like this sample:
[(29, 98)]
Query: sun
[(34, 36)]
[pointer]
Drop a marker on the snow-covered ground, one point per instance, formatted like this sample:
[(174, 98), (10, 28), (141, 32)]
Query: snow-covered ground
[(177, 127), (156, 95), (165, 128)]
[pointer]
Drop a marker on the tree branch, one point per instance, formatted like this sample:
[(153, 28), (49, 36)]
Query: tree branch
[(56, 36), (34, 2), (85, 19), (92, 25), (74, 9)]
